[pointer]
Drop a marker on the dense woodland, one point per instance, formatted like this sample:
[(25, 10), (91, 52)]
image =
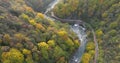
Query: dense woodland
[(104, 18), (38, 5), (26, 36)]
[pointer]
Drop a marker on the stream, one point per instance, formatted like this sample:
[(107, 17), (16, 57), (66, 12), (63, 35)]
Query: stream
[(79, 30)]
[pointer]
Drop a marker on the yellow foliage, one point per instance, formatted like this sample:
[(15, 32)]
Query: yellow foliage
[(32, 22), (13, 56), (43, 45), (26, 52), (62, 33), (40, 15), (99, 33), (90, 46), (39, 26), (51, 43), (86, 58), (69, 42)]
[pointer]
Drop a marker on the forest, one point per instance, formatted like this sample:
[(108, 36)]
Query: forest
[(27, 36), (104, 17)]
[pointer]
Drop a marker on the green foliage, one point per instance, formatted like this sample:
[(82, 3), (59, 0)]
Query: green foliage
[(29, 60), (114, 25), (61, 60), (24, 17), (58, 52), (112, 32)]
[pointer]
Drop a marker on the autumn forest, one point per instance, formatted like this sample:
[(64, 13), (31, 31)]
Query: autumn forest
[(45, 31)]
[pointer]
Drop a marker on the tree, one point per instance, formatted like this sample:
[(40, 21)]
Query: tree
[(44, 49), (90, 46), (13, 56), (6, 39), (58, 52), (61, 60), (86, 58), (51, 43), (40, 15), (99, 33), (32, 22)]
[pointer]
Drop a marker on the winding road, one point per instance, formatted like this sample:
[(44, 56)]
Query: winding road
[(79, 30)]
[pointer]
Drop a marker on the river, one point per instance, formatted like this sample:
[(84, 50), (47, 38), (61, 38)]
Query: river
[(79, 30)]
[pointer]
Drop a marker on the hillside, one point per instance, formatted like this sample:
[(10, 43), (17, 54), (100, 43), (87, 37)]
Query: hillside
[(26, 36), (104, 18)]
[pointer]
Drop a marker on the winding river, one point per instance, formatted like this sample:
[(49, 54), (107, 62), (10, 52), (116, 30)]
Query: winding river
[(79, 30)]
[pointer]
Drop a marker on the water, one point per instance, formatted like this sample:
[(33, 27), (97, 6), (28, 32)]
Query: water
[(79, 30)]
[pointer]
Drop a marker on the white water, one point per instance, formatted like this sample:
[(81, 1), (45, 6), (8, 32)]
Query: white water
[(79, 30)]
